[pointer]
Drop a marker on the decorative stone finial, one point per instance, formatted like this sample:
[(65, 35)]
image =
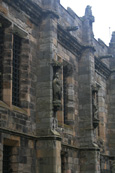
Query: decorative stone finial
[(113, 37), (88, 13)]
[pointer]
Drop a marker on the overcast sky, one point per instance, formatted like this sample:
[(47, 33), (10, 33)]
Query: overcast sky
[(103, 11)]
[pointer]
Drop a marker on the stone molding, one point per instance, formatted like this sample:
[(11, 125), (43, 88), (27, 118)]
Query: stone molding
[(101, 68), (68, 41), (34, 12), (31, 9), (29, 136)]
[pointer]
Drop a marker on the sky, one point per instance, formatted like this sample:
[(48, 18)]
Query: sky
[(102, 10)]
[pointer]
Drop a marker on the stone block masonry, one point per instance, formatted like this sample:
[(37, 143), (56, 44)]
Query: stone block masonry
[(56, 91)]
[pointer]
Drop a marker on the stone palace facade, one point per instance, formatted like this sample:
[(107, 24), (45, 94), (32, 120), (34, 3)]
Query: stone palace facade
[(57, 91)]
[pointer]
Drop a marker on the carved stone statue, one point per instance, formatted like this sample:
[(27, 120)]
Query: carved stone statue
[(56, 88), (95, 112), (54, 123), (95, 107)]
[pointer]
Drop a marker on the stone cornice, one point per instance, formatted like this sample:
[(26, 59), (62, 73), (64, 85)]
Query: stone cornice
[(101, 68), (29, 136), (106, 56), (50, 12), (33, 11), (85, 47), (68, 41)]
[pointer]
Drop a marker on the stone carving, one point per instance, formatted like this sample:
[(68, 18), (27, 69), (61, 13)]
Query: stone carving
[(56, 87), (95, 106), (100, 143), (95, 89), (54, 123), (72, 28), (56, 91), (88, 11)]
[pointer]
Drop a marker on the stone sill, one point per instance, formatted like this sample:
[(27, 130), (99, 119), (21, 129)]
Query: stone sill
[(65, 126), (13, 108)]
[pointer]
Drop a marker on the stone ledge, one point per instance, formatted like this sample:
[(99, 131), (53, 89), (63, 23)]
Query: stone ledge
[(101, 68), (18, 109), (30, 8), (13, 108), (68, 41), (29, 136)]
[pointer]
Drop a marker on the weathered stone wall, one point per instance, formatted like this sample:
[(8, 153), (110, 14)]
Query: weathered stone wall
[(89, 161), (48, 156), (103, 113), (70, 159), (111, 90), (68, 132), (101, 51), (67, 18), (23, 155), (21, 118)]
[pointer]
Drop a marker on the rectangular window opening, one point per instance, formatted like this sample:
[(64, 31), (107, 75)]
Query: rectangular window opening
[(16, 70), (7, 152), (1, 59)]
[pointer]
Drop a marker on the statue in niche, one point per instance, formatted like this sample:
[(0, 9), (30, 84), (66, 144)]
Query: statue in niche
[(56, 87), (95, 106), (54, 123)]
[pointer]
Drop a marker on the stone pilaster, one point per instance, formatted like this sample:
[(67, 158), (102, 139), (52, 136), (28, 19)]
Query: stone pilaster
[(7, 68), (86, 79), (111, 115), (88, 155), (47, 52), (89, 161), (48, 156)]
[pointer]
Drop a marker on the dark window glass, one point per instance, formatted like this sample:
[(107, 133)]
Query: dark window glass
[(16, 70), (7, 151)]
